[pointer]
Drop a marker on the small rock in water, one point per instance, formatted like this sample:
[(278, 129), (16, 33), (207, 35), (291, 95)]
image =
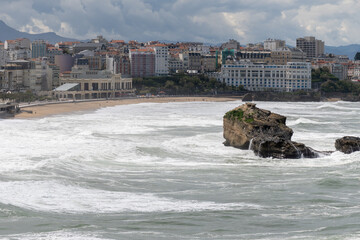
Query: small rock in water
[(348, 144)]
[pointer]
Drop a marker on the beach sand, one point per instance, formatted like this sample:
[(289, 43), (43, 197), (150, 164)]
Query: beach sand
[(69, 107)]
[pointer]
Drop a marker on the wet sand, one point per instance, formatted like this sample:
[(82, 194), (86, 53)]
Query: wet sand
[(69, 107)]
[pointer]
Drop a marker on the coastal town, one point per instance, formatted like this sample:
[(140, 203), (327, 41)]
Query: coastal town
[(107, 69)]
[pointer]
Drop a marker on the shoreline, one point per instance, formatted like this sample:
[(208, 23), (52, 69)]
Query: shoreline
[(57, 108)]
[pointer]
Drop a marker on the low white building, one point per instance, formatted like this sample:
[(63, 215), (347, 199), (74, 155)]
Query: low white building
[(290, 77), (83, 83)]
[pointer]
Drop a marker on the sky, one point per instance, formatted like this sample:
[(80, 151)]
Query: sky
[(211, 21)]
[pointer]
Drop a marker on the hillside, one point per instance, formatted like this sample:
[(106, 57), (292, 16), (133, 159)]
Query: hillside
[(8, 33), (349, 50)]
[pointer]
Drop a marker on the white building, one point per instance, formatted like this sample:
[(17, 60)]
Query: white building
[(20, 43), (4, 57), (83, 83), (161, 59), (18, 54), (290, 77), (273, 44), (203, 49)]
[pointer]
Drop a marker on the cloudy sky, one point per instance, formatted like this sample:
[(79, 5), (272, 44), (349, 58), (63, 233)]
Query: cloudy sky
[(213, 21)]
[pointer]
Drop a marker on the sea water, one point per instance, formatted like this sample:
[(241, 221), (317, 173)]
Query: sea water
[(161, 171)]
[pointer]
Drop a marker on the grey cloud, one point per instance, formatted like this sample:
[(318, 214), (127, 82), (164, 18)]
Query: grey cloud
[(188, 20)]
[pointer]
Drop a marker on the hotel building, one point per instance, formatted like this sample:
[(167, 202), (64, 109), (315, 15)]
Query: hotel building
[(254, 77)]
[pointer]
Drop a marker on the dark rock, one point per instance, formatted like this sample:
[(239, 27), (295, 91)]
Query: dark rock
[(348, 144), (280, 148), (264, 132)]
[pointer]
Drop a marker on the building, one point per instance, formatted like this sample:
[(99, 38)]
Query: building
[(254, 77), (282, 56), (118, 64), (40, 76), (208, 63), (227, 53), (142, 62), (339, 70), (194, 61), (96, 62), (311, 46), (18, 54), (84, 83), (231, 44), (255, 56), (161, 59), (67, 47), (273, 44), (2, 74), (65, 62), (78, 47), (20, 43), (176, 64), (55, 75), (51, 52), (99, 39), (16, 75), (38, 49), (4, 56)]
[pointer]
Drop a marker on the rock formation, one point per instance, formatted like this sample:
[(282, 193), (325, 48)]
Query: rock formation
[(348, 144), (264, 132)]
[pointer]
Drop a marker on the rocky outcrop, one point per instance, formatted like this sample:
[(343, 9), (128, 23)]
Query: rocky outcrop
[(279, 148), (348, 144), (246, 122), (264, 132)]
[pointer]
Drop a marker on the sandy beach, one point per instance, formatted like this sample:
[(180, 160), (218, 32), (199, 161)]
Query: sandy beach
[(69, 107)]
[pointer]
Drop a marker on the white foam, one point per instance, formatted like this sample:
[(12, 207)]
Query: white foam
[(57, 235), (60, 198)]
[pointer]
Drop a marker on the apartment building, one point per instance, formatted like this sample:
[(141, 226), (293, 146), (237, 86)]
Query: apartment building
[(38, 49), (290, 77), (161, 59), (208, 63), (311, 46), (142, 62)]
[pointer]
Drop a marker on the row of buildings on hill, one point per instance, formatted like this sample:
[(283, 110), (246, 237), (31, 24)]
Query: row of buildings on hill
[(105, 68)]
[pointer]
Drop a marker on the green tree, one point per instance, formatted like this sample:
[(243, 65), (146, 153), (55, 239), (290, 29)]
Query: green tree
[(357, 56)]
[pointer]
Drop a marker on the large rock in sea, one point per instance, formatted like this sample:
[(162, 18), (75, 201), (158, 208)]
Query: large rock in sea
[(347, 144), (264, 132)]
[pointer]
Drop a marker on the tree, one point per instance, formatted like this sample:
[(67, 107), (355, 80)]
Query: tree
[(357, 56)]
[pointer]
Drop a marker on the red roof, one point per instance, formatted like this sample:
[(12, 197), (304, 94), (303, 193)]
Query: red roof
[(142, 50), (117, 41)]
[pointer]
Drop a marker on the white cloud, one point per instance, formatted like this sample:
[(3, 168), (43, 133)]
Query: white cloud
[(36, 26), (334, 21)]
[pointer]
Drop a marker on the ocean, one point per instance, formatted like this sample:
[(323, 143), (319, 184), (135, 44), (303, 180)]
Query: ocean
[(161, 171)]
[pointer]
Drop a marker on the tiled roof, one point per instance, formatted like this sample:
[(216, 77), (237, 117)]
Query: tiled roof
[(117, 41)]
